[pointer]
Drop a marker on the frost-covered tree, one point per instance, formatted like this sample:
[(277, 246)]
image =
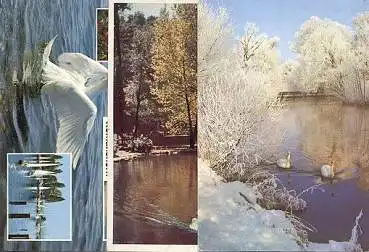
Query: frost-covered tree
[(323, 46), (361, 36), (333, 57), (259, 53), (234, 103), (290, 75), (361, 46), (215, 39)]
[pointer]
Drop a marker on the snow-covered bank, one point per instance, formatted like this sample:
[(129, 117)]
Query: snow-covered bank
[(230, 219)]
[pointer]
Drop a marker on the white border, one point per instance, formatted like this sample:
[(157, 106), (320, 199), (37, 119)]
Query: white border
[(105, 172), (96, 46), (110, 246), (70, 197)]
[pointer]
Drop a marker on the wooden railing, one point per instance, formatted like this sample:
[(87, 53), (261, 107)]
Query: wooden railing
[(299, 94)]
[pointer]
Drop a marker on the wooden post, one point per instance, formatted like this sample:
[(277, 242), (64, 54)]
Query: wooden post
[(19, 216), (19, 236), (17, 203)]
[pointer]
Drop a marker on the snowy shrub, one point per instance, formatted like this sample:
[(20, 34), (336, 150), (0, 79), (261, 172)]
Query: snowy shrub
[(237, 104), (140, 144), (239, 115), (117, 143)]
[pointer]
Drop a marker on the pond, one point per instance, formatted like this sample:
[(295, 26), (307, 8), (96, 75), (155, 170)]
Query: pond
[(155, 199), (316, 133)]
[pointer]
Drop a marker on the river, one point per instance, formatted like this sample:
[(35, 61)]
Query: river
[(156, 197), (318, 132)]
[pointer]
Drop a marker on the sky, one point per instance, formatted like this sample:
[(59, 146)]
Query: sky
[(282, 18), (149, 9), (57, 214)]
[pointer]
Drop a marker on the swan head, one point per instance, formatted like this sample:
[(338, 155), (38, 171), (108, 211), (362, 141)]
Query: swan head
[(289, 158), (332, 165)]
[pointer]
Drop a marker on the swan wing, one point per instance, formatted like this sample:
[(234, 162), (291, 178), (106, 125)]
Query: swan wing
[(75, 111), (76, 114)]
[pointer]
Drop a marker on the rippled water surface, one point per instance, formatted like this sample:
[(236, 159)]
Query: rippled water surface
[(156, 197), (31, 127), (318, 132)]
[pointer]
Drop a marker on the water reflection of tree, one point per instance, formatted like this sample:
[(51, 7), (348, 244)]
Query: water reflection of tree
[(145, 186), (339, 133), (47, 186)]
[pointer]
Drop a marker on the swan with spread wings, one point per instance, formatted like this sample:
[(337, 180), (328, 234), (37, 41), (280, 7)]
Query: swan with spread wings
[(70, 86)]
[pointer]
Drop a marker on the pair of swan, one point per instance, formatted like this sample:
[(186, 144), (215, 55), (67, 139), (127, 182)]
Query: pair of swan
[(70, 86), (326, 171)]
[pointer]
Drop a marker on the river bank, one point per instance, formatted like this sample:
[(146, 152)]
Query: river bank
[(230, 219), (127, 156)]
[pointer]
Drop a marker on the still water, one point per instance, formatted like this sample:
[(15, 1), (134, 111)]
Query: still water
[(318, 132), (156, 197)]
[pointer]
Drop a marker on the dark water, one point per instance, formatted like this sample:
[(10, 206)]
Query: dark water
[(318, 132), (155, 199)]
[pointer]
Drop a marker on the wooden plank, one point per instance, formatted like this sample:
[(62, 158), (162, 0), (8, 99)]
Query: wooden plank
[(19, 215), (17, 203), (18, 236)]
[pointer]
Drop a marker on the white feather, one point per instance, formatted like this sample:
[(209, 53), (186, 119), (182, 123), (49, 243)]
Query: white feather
[(66, 87)]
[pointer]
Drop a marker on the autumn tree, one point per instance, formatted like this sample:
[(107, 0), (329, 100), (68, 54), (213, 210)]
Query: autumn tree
[(175, 65)]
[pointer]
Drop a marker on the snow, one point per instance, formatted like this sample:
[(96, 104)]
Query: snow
[(227, 221)]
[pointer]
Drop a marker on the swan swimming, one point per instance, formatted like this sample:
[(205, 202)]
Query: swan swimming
[(285, 163), (70, 86), (327, 171)]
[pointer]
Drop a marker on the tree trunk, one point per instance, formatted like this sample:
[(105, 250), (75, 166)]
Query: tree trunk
[(119, 96), (138, 99), (191, 135)]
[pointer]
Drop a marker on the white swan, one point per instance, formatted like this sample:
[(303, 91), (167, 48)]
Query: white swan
[(70, 87), (285, 163), (327, 171)]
